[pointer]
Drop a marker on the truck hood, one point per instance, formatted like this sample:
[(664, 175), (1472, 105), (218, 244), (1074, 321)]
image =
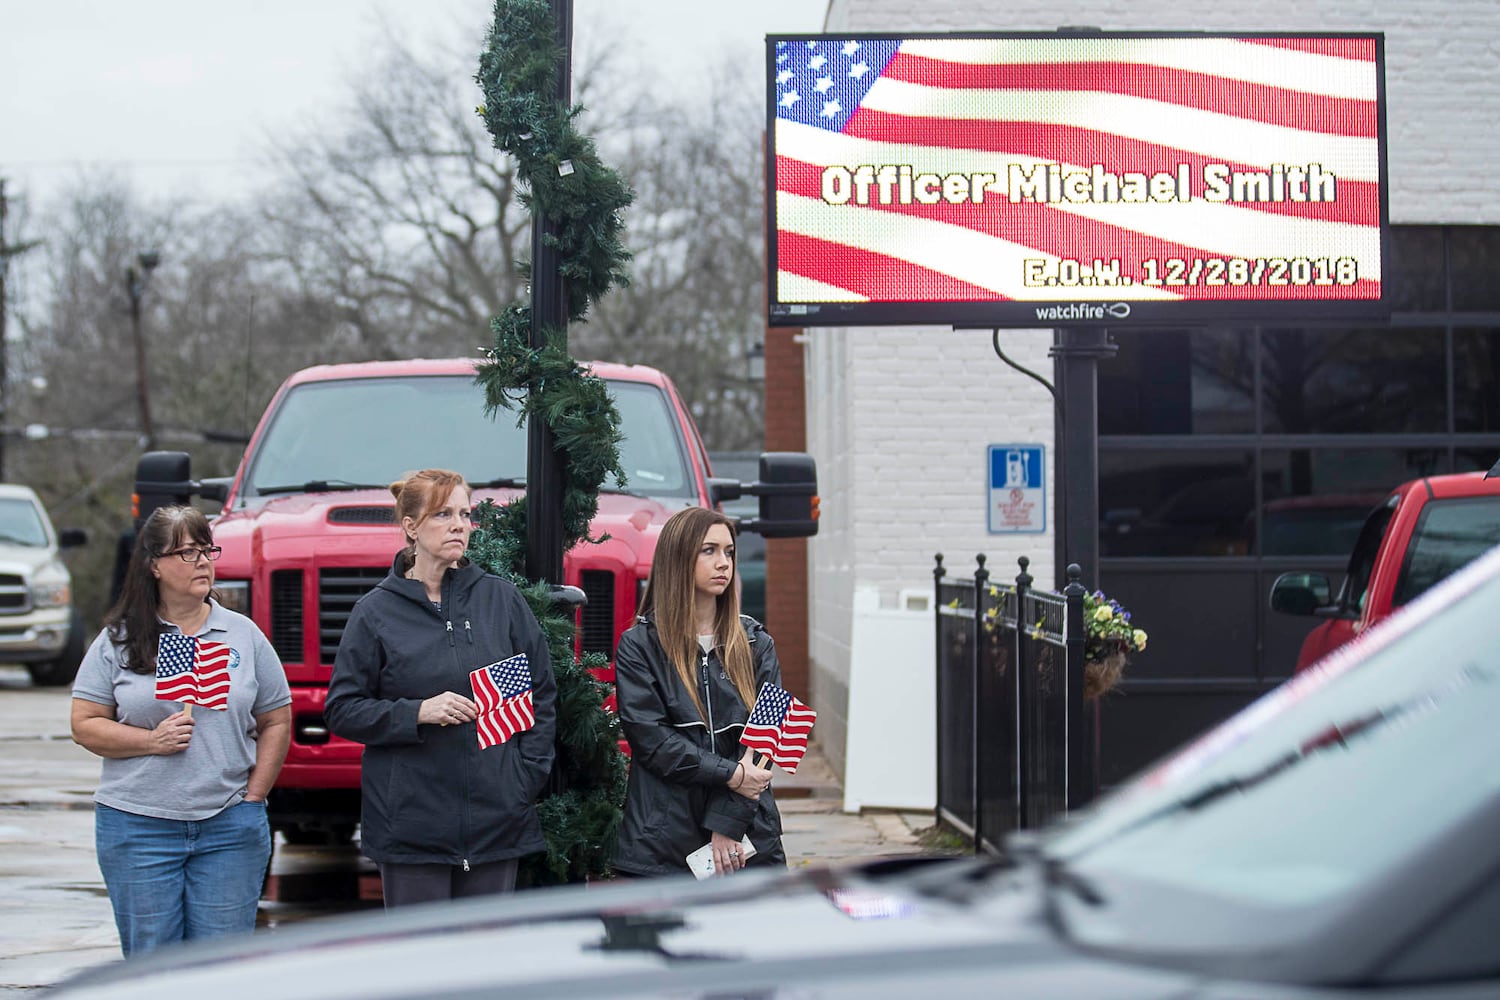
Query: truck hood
[(944, 928), (365, 519), (25, 560)]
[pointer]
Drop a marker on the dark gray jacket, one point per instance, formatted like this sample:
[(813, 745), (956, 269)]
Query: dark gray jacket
[(680, 766), (430, 794)]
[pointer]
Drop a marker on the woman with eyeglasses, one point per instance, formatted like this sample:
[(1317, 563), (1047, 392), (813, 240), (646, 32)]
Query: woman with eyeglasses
[(180, 821)]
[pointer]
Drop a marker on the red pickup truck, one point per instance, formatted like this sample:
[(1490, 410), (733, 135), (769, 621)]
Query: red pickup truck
[(307, 525), (1422, 532)]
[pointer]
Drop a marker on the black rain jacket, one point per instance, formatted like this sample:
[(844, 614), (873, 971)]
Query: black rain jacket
[(430, 794), (679, 764)]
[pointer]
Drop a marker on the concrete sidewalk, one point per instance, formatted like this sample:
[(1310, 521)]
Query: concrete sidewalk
[(816, 830)]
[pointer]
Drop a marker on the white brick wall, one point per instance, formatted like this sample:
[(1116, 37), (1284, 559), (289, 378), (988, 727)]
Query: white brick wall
[(899, 419)]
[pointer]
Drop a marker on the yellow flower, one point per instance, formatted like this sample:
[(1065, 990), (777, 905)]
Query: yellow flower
[(1103, 613), (1139, 637)]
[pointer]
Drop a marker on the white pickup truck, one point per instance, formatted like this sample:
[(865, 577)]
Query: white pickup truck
[(39, 627)]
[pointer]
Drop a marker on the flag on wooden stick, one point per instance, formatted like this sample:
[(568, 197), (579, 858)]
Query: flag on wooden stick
[(779, 727), (193, 671)]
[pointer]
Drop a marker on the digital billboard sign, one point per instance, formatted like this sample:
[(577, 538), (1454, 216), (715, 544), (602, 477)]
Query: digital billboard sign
[(1057, 179)]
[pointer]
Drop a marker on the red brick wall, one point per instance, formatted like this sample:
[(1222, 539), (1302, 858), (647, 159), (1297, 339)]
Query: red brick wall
[(786, 558)]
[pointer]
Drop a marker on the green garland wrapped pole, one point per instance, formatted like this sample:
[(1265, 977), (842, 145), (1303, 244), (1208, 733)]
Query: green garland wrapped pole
[(549, 312), (577, 205)]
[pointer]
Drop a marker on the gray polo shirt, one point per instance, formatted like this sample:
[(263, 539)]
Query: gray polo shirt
[(211, 774)]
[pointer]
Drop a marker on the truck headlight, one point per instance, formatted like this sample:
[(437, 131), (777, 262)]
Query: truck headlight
[(51, 594), (234, 595)]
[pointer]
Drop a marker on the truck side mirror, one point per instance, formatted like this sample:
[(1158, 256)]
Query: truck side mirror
[(720, 490), (71, 538), (162, 478), (1300, 593), (216, 488), (788, 492)]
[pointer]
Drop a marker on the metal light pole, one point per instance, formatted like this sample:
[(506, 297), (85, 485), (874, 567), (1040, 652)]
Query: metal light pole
[(549, 311), (137, 276)]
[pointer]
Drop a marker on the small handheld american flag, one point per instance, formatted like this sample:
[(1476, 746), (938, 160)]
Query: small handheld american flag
[(503, 691), (779, 726), (192, 671)]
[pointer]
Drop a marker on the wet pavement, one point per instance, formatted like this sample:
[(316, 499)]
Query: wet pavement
[(56, 918)]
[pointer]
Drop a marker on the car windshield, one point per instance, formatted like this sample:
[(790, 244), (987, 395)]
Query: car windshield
[(21, 523), (368, 432), (1270, 826)]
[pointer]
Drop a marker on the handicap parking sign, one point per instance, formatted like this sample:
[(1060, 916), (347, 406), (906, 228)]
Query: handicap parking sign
[(1017, 489)]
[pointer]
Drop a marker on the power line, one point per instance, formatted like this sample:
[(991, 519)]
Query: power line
[(132, 162)]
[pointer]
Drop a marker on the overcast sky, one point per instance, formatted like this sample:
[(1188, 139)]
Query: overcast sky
[(178, 95)]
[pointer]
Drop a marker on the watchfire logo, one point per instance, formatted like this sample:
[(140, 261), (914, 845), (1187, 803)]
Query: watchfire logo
[(1084, 310)]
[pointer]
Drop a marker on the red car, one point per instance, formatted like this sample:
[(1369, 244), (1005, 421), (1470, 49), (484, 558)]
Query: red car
[(1421, 533)]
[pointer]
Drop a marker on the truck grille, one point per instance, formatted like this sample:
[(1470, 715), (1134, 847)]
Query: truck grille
[(597, 618), (286, 614), (338, 589), (15, 599), (383, 516)]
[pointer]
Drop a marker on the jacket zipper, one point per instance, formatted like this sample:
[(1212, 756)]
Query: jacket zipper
[(708, 700), (463, 821)]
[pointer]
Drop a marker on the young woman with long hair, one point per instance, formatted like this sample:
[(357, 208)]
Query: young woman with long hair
[(686, 676)]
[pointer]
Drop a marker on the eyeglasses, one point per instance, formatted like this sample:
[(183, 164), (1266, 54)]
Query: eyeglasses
[(193, 553)]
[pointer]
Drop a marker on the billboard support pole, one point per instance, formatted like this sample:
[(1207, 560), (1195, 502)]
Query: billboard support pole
[(1076, 352)]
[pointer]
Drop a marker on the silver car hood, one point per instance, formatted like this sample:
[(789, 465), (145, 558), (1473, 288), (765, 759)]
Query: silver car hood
[(946, 929)]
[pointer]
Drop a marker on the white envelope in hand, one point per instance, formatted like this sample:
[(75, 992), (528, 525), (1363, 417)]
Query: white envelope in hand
[(701, 861)]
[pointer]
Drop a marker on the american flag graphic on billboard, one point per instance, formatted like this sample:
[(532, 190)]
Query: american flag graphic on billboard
[(193, 671), (503, 691), (1145, 169)]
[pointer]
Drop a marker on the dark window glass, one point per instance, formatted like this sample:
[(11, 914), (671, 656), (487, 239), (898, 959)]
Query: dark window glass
[(1414, 271), (1477, 459), (1475, 255), (1201, 624), (1450, 534), (1178, 382), (1316, 499), (1354, 381), (1175, 503), (1476, 380), (1362, 560)]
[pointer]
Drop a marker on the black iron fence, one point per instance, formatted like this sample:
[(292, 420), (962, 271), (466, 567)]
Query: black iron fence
[(1015, 736)]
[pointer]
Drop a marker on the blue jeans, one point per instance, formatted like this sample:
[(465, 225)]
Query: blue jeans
[(179, 880)]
